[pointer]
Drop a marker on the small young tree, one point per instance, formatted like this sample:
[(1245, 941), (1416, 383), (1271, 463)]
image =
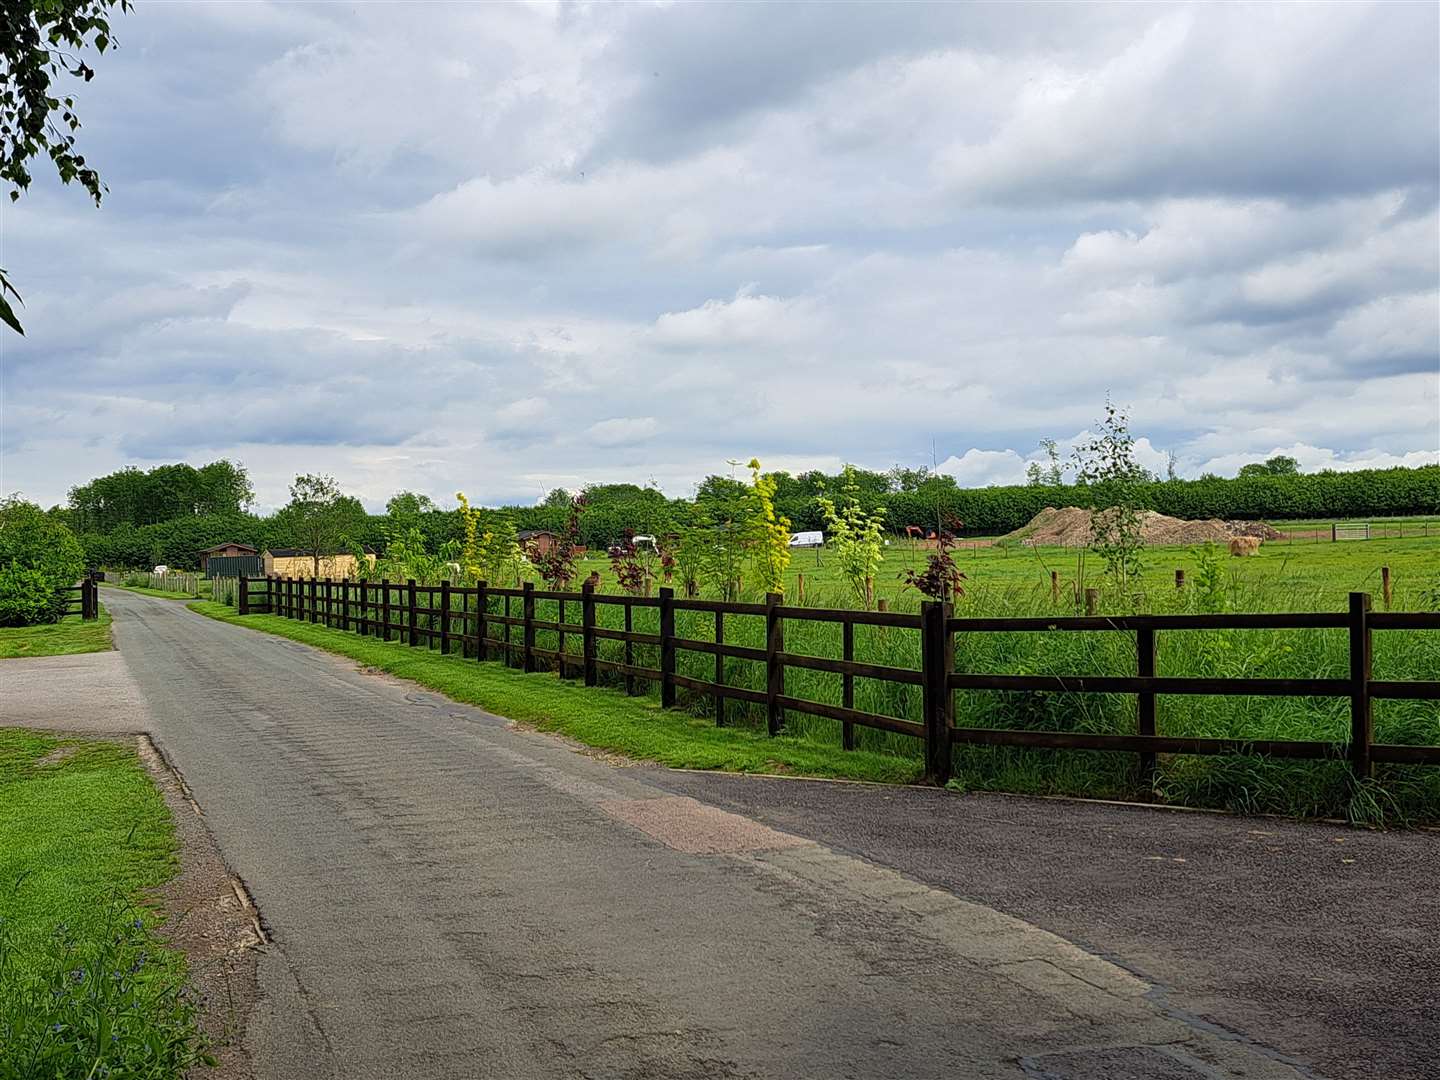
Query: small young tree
[(769, 533), (556, 565), (941, 579), (634, 565), (714, 549), (855, 534), (1106, 465)]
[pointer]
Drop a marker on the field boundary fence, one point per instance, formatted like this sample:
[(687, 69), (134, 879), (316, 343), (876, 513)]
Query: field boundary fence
[(487, 623)]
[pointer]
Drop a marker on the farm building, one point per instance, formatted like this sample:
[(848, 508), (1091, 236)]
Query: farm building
[(292, 562), (224, 551), (536, 541)]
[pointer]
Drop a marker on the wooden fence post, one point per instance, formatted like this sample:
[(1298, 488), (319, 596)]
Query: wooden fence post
[(242, 596), (345, 604), (527, 613), (629, 648), (314, 600), (362, 589), (1179, 579), (444, 618), (412, 616), (1361, 719), (329, 601), (482, 603), (667, 647), (509, 651), (1092, 601), (847, 685), (936, 659), (719, 668), (1054, 586), (385, 609), (587, 640), (1145, 701), (774, 670), (1385, 586)]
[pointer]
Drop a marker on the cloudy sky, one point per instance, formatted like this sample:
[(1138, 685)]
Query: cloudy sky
[(502, 248)]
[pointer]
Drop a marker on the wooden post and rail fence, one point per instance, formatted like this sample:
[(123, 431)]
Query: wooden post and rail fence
[(480, 622), (82, 599)]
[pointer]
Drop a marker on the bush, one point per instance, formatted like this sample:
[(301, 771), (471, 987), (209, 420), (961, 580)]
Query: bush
[(27, 597), (38, 554)]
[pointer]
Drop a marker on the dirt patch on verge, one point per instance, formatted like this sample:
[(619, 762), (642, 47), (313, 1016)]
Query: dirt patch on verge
[(56, 756), (210, 919), (1070, 527)]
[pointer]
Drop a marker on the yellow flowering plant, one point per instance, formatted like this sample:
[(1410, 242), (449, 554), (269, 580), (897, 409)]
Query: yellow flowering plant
[(769, 533)]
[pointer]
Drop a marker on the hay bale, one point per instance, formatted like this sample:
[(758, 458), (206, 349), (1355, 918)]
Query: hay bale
[(1244, 545)]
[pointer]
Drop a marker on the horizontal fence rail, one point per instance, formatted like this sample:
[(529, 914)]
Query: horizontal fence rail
[(501, 624)]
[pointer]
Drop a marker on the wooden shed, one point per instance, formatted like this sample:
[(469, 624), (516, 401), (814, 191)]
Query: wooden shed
[(536, 541), (224, 551)]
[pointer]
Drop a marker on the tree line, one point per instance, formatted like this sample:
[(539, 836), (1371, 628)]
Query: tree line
[(170, 513)]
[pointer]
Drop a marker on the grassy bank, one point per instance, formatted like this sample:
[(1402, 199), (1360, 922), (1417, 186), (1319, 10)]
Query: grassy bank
[(88, 989), (687, 736), (70, 635)]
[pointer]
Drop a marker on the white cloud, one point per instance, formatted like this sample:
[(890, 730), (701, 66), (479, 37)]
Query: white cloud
[(622, 430)]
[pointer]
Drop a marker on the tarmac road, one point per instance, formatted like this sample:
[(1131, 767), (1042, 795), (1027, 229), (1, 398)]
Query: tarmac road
[(449, 896)]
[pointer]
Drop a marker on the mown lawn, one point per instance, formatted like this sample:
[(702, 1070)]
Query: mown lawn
[(77, 830), (70, 635), (86, 989)]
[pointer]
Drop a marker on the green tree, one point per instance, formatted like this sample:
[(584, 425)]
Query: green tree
[(856, 536), (1115, 483), (319, 517), (769, 532), (409, 504), (38, 555), (40, 39), (1279, 465)]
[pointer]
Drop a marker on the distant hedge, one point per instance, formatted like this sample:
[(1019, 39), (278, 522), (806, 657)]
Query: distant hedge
[(1366, 493)]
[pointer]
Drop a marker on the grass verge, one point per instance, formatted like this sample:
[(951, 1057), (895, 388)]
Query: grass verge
[(88, 988), (606, 719), (70, 635)]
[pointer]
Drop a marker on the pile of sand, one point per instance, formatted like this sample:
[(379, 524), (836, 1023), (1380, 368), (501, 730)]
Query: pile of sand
[(1070, 527)]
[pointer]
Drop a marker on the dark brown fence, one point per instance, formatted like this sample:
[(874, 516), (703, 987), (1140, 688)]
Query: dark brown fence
[(500, 624), (82, 599)]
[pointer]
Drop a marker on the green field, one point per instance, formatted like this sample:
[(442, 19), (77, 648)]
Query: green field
[(70, 635), (1279, 577)]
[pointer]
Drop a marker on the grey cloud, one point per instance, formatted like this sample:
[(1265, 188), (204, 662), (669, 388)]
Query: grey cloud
[(409, 282)]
